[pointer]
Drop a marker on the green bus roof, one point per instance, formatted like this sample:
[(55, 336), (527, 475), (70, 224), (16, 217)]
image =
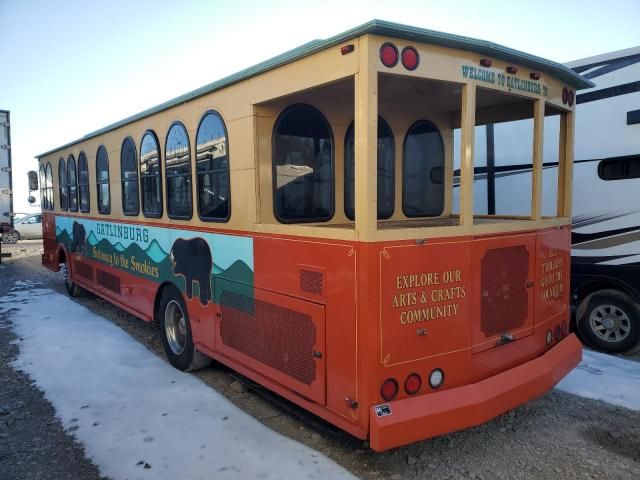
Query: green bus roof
[(376, 27)]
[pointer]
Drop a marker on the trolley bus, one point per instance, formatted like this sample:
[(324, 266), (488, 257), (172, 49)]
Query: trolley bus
[(297, 222)]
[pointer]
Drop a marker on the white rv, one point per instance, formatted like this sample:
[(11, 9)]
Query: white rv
[(605, 281)]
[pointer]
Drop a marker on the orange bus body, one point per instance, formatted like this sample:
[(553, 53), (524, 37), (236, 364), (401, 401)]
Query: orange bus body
[(350, 300)]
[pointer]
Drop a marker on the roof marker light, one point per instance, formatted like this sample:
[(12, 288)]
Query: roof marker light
[(485, 62), (410, 58), (570, 98), (389, 55), (347, 49), (534, 76), (512, 70), (565, 95)]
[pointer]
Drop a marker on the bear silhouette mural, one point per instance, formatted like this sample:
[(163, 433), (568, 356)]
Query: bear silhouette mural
[(78, 237), (191, 259)]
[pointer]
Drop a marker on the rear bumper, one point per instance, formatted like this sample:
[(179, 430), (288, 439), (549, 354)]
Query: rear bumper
[(434, 414)]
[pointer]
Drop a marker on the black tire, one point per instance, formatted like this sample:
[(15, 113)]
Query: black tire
[(175, 328), (609, 320), (73, 289)]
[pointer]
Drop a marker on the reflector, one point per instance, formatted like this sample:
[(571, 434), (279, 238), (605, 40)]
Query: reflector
[(389, 55)]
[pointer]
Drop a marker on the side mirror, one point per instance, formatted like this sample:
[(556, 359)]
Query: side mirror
[(31, 199), (33, 182)]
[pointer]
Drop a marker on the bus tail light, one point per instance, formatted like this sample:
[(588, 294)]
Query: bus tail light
[(412, 384), (389, 389), (389, 55), (549, 337), (565, 328), (436, 378), (558, 333), (410, 58)]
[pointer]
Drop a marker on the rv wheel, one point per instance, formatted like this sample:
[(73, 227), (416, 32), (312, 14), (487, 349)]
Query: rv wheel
[(609, 320), (176, 333)]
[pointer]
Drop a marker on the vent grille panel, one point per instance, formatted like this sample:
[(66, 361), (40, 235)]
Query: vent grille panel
[(311, 282), (108, 281), (274, 335), (83, 270), (505, 298)]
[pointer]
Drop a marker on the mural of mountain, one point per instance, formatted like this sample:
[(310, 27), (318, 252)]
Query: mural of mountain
[(58, 231), (238, 272), (155, 252), (216, 269), (119, 247), (93, 240)]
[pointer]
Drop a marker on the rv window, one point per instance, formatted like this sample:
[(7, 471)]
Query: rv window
[(102, 180), (72, 183), (150, 181), (212, 169), (303, 166), (129, 176), (386, 165), (620, 168), (49, 184)]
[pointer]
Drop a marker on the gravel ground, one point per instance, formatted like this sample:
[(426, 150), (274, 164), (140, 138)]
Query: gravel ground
[(556, 436)]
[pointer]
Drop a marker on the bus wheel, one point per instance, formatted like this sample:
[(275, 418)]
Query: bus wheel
[(176, 333), (609, 320), (73, 289)]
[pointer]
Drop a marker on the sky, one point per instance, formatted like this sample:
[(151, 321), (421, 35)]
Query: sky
[(71, 67)]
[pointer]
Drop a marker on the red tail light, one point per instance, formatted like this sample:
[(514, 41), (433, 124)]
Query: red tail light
[(570, 98), (557, 333), (412, 384), (410, 58), (565, 95), (389, 389), (389, 55)]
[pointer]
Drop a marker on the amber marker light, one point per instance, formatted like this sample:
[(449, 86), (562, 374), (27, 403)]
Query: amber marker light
[(410, 58), (412, 384), (347, 49), (389, 55), (389, 389)]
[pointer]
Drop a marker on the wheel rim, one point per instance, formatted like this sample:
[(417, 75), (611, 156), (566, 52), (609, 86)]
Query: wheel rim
[(175, 327), (609, 323), (10, 238)]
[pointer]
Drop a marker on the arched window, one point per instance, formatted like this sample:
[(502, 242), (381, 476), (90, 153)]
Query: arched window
[(43, 189), (423, 170), (49, 183), (62, 184), (72, 182), (212, 169), (83, 182), (102, 180), (386, 170), (150, 179), (177, 164), (302, 166), (129, 176)]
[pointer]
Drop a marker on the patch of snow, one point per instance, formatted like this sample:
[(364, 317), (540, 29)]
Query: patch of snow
[(138, 417), (605, 377)]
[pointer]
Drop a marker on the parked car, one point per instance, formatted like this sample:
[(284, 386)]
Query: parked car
[(25, 227)]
